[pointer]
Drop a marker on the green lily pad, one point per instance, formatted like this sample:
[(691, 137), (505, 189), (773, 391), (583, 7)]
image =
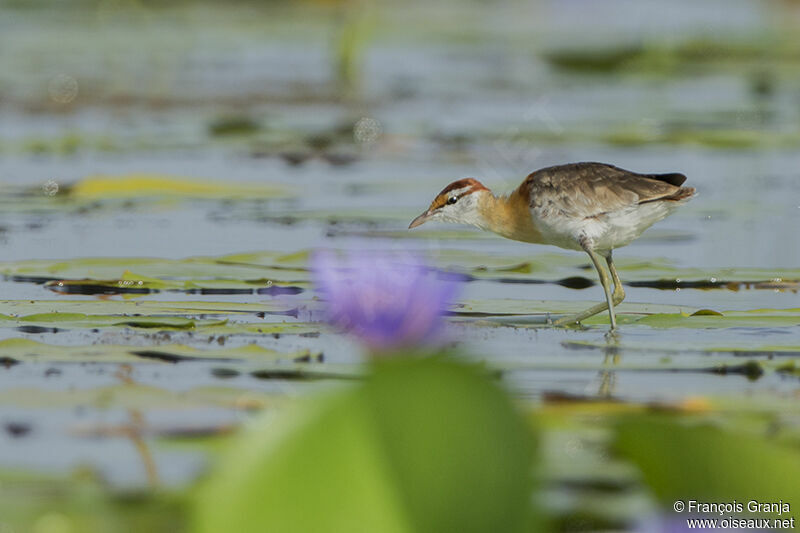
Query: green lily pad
[(510, 309), (711, 348), (728, 319), (96, 193), (306, 329), (681, 461), (26, 350), (149, 185), (83, 502), (138, 273), (266, 270), (373, 452), (72, 309), (204, 318), (138, 396)]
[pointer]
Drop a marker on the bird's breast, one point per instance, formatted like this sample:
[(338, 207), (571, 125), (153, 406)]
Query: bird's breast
[(511, 218)]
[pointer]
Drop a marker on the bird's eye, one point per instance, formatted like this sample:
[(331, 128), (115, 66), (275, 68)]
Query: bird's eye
[(452, 200)]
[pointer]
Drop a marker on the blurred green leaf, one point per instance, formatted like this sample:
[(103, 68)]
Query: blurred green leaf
[(51, 503), (233, 125), (421, 445), (682, 461)]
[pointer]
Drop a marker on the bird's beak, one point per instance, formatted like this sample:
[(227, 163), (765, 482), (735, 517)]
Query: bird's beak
[(420, 220)]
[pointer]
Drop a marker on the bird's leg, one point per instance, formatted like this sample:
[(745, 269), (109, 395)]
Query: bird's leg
[(599, 308), (619, 291)]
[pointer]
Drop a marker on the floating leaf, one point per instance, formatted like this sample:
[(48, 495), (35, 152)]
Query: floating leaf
[(267, 269), (138, 396), (148, 185), (375, 458), (32, 351), (706, 312), (681, 460), (82, 502), (509, 308), (64, 310), (727, 319), (688, 349)]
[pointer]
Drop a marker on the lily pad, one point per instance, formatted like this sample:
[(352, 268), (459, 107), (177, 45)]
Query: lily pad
[(26, 350), (710, 348), (157, 185), (512, 308), (273, 272), (158, 273), (138, 396), (82, 502), (714, 465), (12, 309), (374, 447), (767, 318)]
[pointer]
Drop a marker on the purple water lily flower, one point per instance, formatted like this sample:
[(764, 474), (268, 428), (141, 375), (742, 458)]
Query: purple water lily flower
[(388, 302)]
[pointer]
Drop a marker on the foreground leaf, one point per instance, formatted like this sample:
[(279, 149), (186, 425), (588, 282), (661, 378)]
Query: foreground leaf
[(682, 461), (420, 446)]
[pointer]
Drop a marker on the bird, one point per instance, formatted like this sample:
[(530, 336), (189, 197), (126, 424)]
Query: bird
[(589, 206)]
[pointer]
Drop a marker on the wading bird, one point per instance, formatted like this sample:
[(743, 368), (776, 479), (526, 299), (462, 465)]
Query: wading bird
[(592, 207)]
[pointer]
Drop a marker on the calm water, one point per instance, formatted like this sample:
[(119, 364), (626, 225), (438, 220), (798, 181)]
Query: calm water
[(476, 99)]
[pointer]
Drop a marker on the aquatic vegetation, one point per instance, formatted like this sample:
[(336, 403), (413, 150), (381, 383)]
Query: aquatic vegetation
[(743, 466), (277, 274), (351, 47), (17, 350), (144, 185), (680, 56), (131, 340), (374, 457), (233, 125)]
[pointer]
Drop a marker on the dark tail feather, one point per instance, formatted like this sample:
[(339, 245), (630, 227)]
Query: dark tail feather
[(673, 178), (684, 193)]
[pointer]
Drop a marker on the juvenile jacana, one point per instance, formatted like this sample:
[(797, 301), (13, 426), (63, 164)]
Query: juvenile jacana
[(592, 207)]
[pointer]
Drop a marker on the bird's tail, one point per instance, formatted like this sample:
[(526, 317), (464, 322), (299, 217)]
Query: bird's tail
[(682, 194)]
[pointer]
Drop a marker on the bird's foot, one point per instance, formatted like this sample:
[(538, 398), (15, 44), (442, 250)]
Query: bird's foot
[(571, 321)]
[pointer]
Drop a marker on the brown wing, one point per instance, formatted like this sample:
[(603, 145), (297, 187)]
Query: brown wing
[(590, 189)]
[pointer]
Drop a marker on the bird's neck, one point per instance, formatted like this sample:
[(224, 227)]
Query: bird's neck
[(508, 216)]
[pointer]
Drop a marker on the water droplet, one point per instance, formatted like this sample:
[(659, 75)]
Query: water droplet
[(573, 447), (50, 188), (367, 131), (63, 88)]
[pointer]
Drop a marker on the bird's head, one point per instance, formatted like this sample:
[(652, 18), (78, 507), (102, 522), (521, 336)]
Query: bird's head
[(458, 202)]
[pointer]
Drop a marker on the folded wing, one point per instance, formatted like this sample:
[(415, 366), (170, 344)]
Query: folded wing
[(592, 189)]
